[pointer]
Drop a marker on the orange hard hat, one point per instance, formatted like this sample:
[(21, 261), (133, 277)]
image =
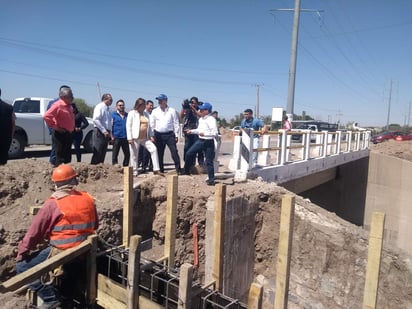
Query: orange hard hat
[(63, 172)]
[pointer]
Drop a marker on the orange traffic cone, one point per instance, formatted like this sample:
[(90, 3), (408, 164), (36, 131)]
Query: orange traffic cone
[(399, 138)]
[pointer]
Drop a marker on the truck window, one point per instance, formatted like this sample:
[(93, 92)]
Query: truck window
[(26, 106)]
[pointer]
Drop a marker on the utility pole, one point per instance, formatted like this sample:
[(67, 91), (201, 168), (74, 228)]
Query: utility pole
[(409, 113), (99, 91), (338, 114), (389, 106), (257, 99), (293, 56)]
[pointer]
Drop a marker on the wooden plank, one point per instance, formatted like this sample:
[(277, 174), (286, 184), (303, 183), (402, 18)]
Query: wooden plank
[(35, 272), (91, 288), (133, 273), (112, 288), (106, 301), (112, 295), (284, 251), (127, 204), (171, 214), (255, 296), (185, 287), (374, 260), (218, 234), (146, 303)]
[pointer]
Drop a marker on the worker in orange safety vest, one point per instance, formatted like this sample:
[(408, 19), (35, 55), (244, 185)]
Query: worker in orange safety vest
[(66, 219)]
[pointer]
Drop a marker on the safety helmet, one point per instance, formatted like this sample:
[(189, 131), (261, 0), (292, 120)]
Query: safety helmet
[(63, 172)]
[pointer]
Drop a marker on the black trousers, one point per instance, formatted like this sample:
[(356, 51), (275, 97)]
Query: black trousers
[(169, 139), (124, 144), (100, 143), (63, 146)]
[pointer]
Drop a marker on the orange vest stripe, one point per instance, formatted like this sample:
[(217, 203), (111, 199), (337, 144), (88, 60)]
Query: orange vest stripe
[(78, 220)]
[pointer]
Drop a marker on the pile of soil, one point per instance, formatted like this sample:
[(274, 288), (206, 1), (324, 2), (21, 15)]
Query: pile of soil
[(329, 254)]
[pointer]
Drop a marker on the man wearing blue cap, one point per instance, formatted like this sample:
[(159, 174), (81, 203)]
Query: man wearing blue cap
[(207, 131), (164, 121)]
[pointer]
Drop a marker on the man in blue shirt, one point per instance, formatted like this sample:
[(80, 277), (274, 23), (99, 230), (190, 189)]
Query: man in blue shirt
[(255, 124), (119, 134)]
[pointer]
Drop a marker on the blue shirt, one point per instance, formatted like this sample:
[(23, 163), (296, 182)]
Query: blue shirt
[(119, 125), (253, 123)]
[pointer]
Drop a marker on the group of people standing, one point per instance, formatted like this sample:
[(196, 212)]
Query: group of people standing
[(142, 133), (148, 131)]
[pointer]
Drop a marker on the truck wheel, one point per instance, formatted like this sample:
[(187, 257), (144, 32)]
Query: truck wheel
[(17, 146), (88, 142)]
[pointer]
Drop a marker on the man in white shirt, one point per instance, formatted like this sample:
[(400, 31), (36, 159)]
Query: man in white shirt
[(103, 122), (164, 121), (207, 131)]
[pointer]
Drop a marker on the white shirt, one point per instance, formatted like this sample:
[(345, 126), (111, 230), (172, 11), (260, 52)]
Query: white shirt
[(165, 121), (207, 126), (102, 119)]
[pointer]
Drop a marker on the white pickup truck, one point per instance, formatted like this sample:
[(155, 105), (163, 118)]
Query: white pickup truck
[(31, 128)]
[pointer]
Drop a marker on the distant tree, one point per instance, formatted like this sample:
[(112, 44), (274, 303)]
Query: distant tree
[(224, 122), (395, 127), (236, 121), (85, 109)]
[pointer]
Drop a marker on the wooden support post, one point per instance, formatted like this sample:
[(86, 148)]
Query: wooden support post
[(219, 238), (133, 273), (91, 287), (284, 251), (171, 214), (185, 287), (127, 204), (374, 260), (255, 296)]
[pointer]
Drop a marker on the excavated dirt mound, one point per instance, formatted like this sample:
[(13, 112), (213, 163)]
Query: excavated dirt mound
[(329, 254)]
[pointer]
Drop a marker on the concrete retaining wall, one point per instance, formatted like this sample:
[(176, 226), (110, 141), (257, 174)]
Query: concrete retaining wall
[(389, 190)]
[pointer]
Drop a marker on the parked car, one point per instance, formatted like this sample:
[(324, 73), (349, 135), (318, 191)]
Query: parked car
[(384, 136), (31, 128), (235, 129), (315, 126)]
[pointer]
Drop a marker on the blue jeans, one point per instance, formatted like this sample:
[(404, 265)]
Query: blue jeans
[(47, 293), (208, 146)]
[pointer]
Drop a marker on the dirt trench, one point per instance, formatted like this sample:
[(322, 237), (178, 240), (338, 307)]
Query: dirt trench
[(328, 254)]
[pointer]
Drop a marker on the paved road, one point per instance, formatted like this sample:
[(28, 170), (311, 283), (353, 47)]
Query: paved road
[(43, 152)]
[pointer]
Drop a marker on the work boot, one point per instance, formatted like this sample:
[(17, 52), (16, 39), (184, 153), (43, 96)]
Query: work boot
[(50, 304)]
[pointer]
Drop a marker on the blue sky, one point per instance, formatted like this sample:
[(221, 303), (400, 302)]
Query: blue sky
[(216, 50)]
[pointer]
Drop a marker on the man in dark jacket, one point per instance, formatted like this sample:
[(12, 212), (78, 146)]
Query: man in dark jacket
[(7, 126)]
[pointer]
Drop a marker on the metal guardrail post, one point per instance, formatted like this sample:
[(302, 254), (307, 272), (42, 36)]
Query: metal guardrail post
[(338, 139), (283, 138), (234, 163), (325, 144), (308, 138), (264, 156), (349, 139), (357, 141)]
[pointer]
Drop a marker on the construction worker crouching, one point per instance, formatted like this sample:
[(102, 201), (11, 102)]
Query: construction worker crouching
[(66, 219)]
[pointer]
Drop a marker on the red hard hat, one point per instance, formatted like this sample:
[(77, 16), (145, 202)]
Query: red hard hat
[(63, 172)]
